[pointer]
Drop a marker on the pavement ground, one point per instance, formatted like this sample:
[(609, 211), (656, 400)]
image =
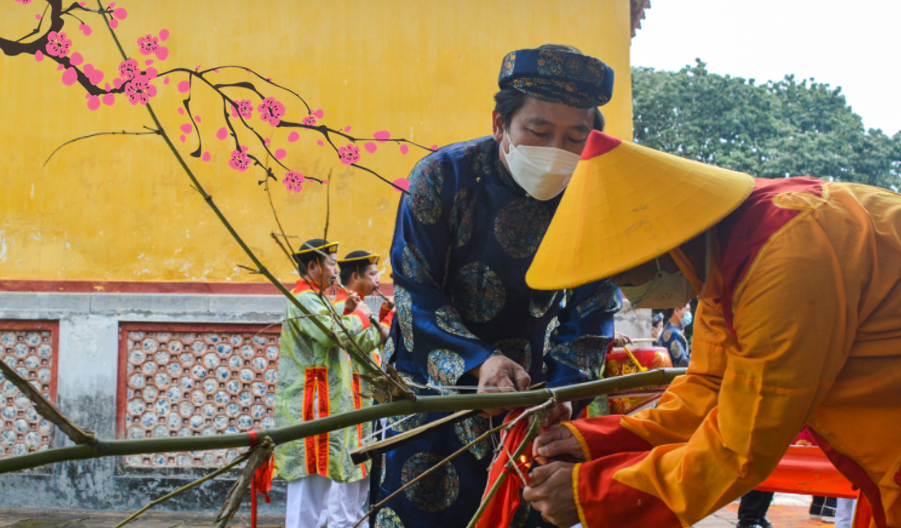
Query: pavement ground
[(787, 511)]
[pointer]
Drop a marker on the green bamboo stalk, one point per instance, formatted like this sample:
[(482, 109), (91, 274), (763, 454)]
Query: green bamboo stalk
[(361, 358), (290, 433), (183, 489), (533, 430)]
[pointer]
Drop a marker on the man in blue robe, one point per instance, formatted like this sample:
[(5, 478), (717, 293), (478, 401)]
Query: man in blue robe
[(463, 240)]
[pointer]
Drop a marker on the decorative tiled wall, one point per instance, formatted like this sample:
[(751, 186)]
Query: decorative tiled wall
[(184, 380), (30, 348)]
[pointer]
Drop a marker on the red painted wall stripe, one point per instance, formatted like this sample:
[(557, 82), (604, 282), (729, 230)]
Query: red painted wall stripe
[(209, 288)]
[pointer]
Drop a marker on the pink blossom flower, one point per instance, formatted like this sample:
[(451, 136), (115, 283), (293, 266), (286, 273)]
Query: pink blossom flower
[(139, 90), (294, 181), (148, 44), (93, 102), (206, 156), (404, 149), (120, 13), (403, 183), (94, 75), (129, 69), (245, 108), (38, 56), (70, 76), (239, 160), (57, 44), (24, 2), (86, 29), (309, 120), (293, 136), (271, 111), (349, 154)]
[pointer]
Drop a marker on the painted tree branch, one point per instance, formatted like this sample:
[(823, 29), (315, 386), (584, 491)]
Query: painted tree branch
[(122, 133), (452, 403)]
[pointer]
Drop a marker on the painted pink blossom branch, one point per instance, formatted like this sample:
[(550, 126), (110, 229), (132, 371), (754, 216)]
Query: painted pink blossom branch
[(138, 86), (238, 156)]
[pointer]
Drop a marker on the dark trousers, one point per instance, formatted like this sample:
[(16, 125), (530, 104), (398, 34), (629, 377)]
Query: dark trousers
[(753, 506)]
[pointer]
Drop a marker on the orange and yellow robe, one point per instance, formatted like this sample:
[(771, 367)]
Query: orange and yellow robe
[(316, 379), (799, 323)]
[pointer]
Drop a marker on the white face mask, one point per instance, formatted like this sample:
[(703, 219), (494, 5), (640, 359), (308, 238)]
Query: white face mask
[(665, 290), (542, 171)]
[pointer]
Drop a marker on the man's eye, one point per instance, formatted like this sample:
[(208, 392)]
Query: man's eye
[(583, 140), (539, 134)]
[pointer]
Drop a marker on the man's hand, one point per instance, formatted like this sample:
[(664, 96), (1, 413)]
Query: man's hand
[(388, 304), (560, 412), (558, 444), (551, 493), (353, 299), (621, 340), (354, 303), (500, 372)]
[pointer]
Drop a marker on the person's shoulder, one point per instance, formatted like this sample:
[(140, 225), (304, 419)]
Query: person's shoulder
[(467, 158)]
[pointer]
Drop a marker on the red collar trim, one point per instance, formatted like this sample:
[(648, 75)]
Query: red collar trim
[(304, 285)]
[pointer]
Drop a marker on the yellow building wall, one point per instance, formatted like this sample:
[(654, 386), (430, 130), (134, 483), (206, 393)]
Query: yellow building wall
[(120, 208)]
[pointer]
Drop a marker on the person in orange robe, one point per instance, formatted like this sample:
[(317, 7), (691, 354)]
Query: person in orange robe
[(798, 324)]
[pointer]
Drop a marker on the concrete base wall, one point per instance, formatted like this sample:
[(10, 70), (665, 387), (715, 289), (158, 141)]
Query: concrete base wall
[(87, 392)]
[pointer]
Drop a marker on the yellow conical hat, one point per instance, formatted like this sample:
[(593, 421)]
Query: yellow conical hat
[(627, 204)]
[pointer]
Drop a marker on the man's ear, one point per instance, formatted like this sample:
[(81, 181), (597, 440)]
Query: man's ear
[(497, 126)]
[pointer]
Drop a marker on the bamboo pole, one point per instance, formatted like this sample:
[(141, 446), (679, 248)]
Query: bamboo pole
[(290, 433)]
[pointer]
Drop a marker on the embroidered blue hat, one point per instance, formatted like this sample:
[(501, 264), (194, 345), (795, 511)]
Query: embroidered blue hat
[(558, 76)]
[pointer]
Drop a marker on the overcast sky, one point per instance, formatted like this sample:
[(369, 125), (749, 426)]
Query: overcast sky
[(850, 43)]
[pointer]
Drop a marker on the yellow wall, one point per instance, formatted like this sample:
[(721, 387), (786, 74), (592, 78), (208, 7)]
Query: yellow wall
[(120, 208)]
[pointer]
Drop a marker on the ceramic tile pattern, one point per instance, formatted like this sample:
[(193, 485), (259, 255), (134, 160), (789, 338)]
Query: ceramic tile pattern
[(30, 353), (187, 384)]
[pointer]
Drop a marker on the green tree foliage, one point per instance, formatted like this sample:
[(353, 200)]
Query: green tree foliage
[(772, 130)]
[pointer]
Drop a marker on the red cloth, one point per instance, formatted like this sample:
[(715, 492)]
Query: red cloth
[(262, 479), (503, 505), (609, 447)]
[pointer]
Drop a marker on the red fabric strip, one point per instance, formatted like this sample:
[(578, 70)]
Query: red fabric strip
[(358, 403), (324, 410)]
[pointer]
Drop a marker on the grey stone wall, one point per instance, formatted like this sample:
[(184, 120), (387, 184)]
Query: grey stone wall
[(87, 390)]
